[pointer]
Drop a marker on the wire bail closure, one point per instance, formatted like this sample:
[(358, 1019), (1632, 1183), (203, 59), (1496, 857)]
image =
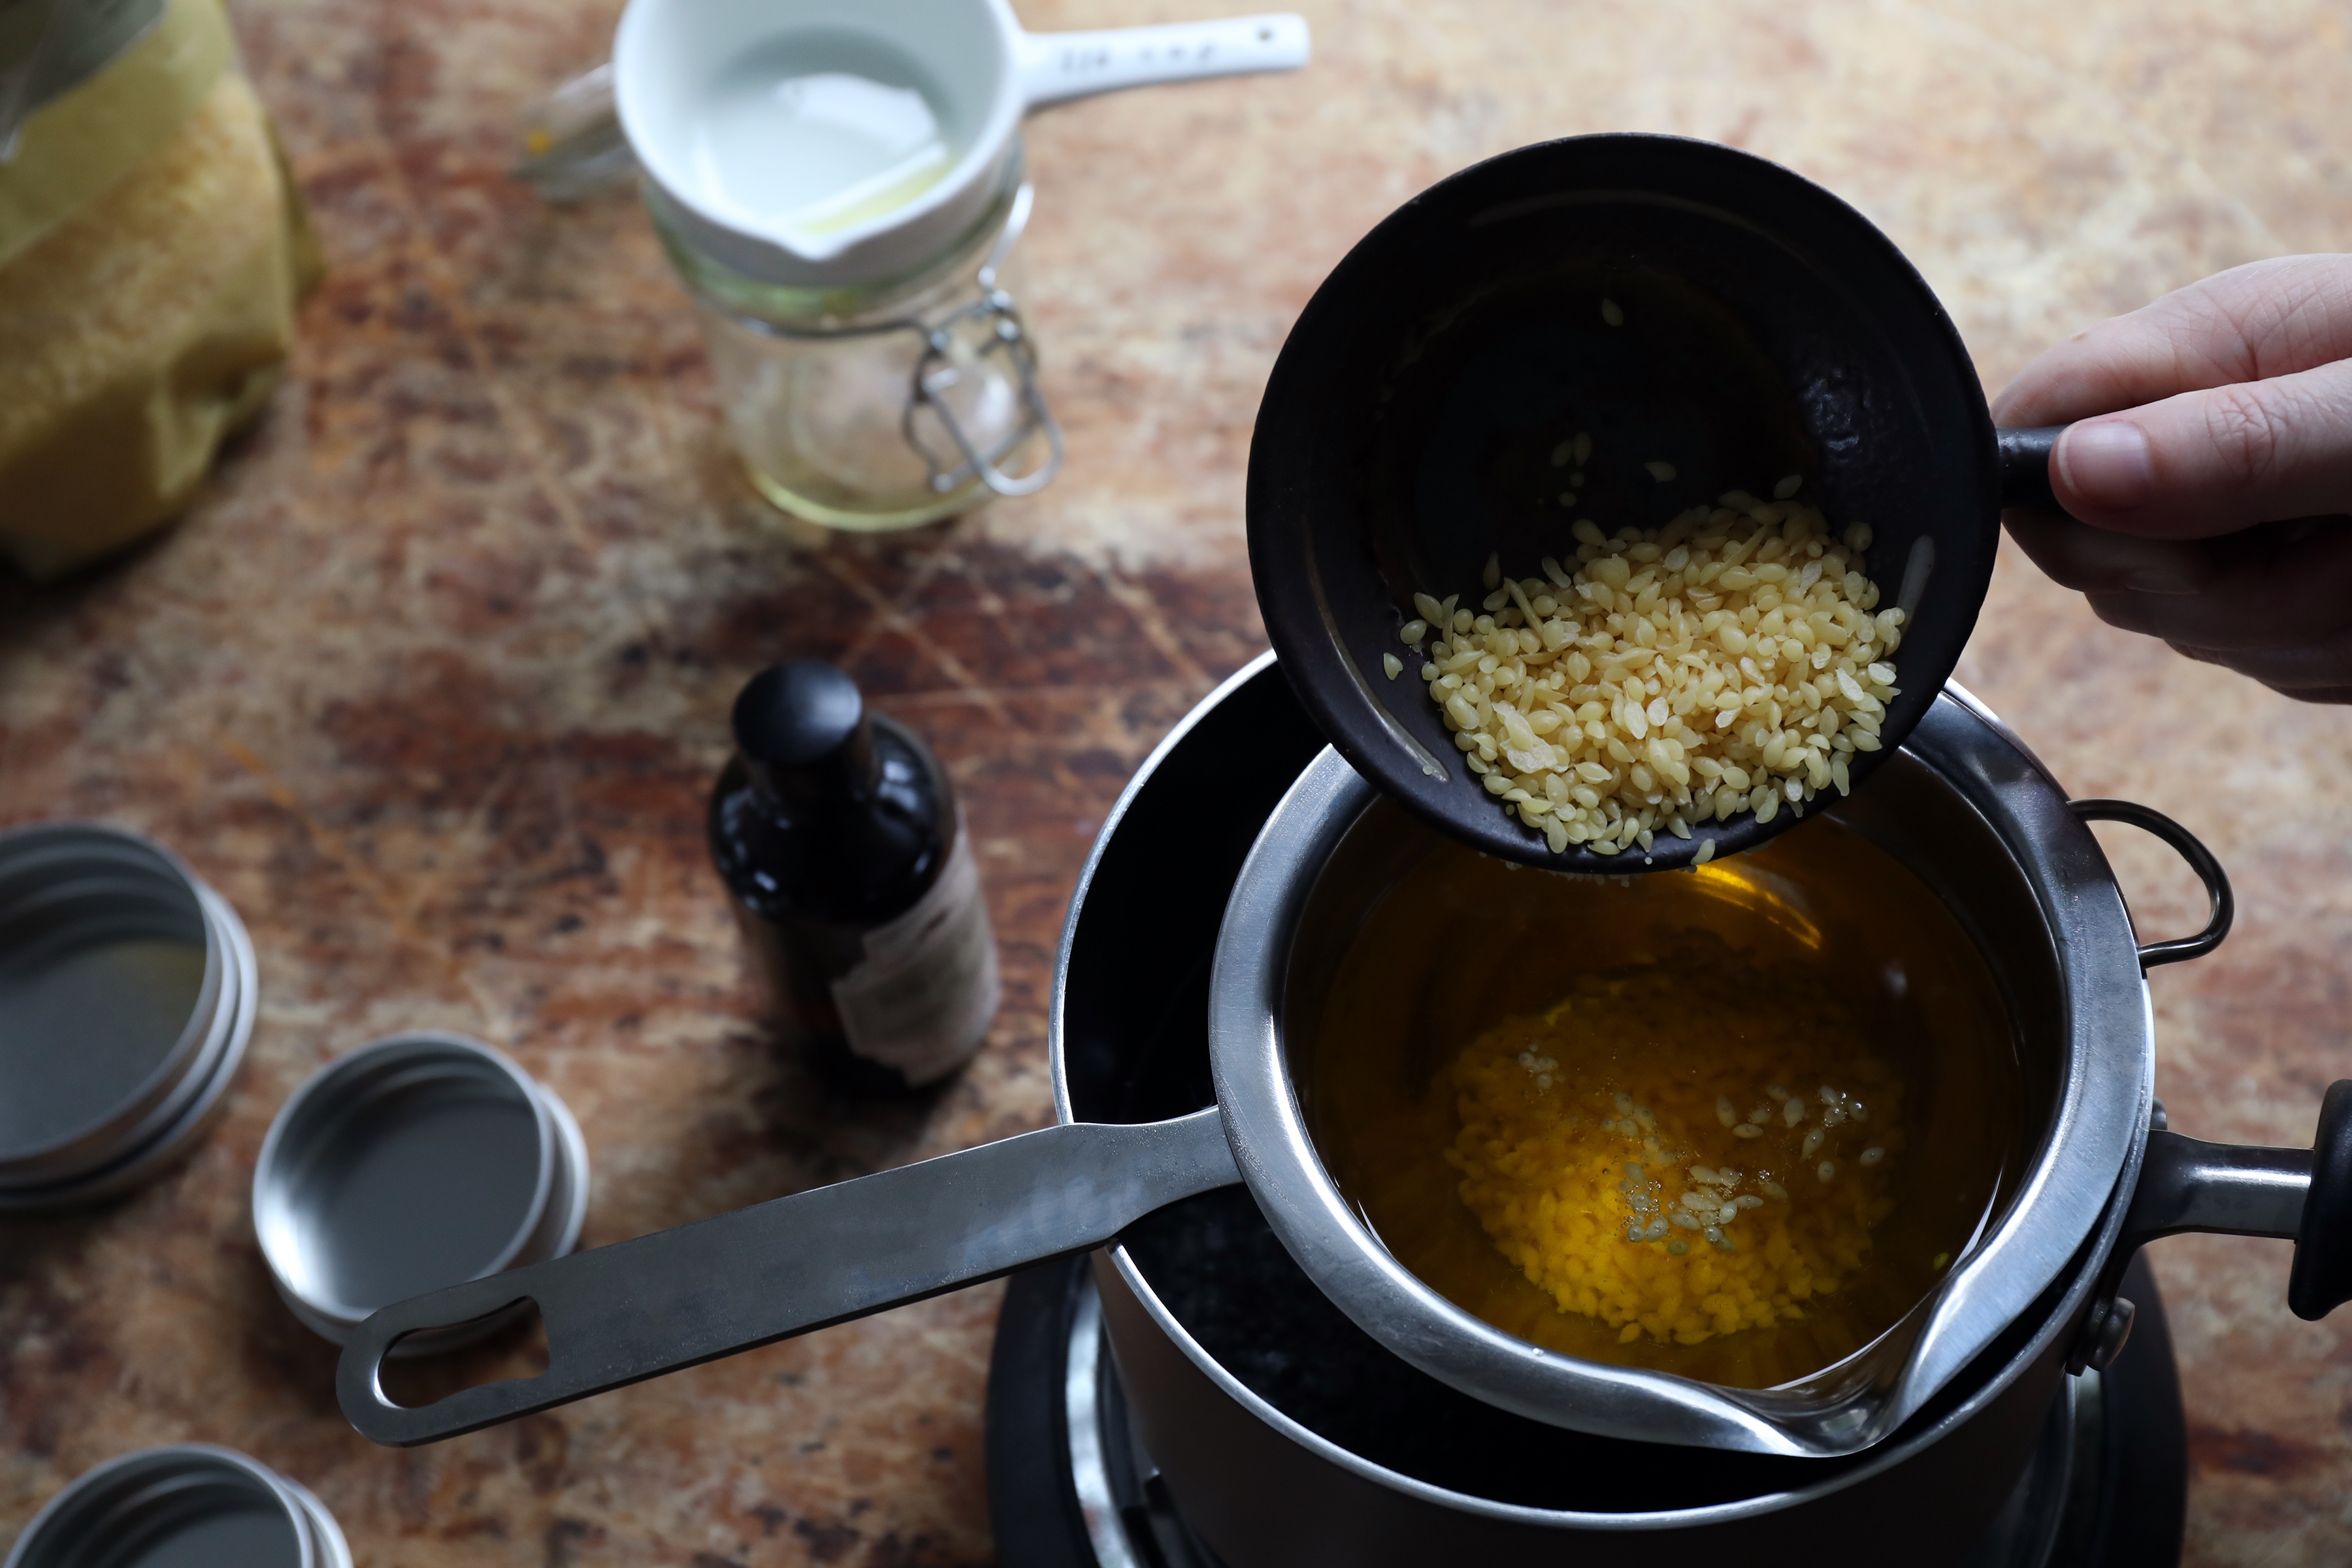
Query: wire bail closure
[(936, 371)]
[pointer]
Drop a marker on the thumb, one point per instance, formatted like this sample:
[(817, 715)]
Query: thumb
[(2214, 461)]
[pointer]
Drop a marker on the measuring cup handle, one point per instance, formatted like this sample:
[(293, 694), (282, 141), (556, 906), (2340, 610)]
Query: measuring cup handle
[(1059, 66), (2025, 467), (677, 1298), (572, 142)]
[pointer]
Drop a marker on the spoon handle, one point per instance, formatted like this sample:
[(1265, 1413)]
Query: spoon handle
[(679, 1297)]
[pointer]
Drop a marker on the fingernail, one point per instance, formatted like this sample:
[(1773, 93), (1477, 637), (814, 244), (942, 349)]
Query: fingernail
[(2108, 463)]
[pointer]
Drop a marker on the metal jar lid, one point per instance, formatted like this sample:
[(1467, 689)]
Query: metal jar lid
[(416, 1162), (127, 995), (190, 1506)]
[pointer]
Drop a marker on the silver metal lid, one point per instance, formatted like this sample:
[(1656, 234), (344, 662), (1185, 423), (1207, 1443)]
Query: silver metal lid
[(187, 1506), (416, 1162), (127, 995)]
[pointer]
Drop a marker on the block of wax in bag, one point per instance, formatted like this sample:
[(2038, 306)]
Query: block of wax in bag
[(151, 250)]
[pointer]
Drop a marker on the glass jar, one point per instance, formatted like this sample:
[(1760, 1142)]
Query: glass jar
[(887, 404)]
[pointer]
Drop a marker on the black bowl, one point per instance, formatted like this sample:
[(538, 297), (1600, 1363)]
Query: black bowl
[(1768, 329)]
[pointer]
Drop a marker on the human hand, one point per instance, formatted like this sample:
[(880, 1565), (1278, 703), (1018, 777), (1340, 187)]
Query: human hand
[(2209, 509)]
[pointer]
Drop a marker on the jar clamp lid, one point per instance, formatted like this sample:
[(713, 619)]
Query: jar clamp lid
[(417, 1161), (127, 996), (189, 1503)]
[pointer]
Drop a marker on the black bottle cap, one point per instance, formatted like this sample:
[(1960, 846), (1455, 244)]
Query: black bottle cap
[(803, 732)]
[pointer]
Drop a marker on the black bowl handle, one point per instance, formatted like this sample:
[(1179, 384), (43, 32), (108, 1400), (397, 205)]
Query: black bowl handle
[(2321, 1279), (2025, 467), (2222, 907)]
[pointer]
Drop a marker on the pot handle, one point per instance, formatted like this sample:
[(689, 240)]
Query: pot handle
[(2224, 906), (679, 1297), (2302, 1195), (2321, 1278)]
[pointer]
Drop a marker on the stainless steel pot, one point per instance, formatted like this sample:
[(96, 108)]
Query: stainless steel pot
[(1978, 820), (1965, 808)]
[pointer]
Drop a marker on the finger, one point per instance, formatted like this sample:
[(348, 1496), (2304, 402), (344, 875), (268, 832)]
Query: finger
[(2306, 674), (2333, 694), (2211, 462), (2275, 587), (2270, 319), (2094, 559)]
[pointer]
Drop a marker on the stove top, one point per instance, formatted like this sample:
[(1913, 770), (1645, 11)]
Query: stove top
[(1071, 1485)]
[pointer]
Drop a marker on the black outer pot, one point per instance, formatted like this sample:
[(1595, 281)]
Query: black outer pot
[(1452, 1479)]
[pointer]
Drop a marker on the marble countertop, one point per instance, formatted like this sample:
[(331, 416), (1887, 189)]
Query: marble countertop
[(432, 679)]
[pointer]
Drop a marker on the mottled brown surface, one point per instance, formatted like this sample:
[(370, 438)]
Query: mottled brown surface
[(432, 680)]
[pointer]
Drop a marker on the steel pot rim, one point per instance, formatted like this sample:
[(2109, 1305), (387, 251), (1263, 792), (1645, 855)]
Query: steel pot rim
[(1898, 1448), (2100, 1122), (2108, 1084)]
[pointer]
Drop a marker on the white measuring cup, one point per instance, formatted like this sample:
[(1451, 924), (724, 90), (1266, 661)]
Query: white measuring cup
[(839, 184), (809, 143)]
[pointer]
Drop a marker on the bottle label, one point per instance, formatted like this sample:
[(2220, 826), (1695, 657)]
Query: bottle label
[(923, 997)]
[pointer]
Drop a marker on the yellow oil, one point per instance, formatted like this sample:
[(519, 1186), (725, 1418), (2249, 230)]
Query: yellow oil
[(820, 133), (1499, 1041)]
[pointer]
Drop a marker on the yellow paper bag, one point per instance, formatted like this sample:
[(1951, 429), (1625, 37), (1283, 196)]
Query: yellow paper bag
[(151, 252)]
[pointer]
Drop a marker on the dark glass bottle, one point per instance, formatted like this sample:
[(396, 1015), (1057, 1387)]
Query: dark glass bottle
[(836, 831)]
